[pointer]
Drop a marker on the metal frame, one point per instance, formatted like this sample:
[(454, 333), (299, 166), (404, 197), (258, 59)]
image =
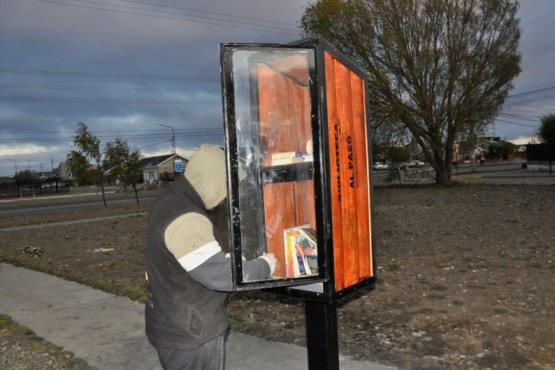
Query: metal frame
[(321, 173)]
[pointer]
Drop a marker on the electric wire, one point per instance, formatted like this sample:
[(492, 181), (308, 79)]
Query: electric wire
[(105, 101), (210, 12), (102, 88), (106, 75), (171, 16)]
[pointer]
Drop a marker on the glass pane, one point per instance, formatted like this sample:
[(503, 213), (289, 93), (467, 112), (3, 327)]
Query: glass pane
[(274, 147)]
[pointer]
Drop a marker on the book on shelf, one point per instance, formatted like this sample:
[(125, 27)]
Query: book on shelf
[(282, 158), (301, 253)]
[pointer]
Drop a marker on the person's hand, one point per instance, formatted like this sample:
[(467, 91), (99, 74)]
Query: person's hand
[(271, 260)]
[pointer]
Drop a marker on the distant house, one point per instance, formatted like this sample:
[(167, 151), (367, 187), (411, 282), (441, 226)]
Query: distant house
[(46, 175), (486, 148), (64, 171), (161, 168), (154, 169), (520, 152)]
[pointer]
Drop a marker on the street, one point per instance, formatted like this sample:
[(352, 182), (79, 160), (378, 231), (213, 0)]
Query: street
[(506, 172)]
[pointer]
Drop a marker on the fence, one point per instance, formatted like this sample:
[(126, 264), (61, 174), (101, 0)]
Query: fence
[(9, 188)]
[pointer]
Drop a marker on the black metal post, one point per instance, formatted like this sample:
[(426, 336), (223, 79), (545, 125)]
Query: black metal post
[(321, 335)]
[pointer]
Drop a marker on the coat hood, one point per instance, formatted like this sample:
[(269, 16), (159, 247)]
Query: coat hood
[(206, 172)]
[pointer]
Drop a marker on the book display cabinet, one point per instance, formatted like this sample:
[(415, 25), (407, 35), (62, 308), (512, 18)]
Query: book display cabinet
[(298, 157)]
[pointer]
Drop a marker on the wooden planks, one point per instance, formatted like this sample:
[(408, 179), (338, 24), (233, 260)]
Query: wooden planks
[(350, 183), (285, 126)]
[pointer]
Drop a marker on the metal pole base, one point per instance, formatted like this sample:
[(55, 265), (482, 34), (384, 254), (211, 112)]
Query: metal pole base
[(321, 335)]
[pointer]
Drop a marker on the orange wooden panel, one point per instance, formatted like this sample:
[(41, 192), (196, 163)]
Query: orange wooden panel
[(294, 67), (335, 183), (348, 173), (284, 107), (279, 206), (305, 212), (303, 117), (362, 188), (285, 125), (274, 123)]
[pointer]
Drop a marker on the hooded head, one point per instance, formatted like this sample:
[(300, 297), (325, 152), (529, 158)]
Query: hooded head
[(206, 172)]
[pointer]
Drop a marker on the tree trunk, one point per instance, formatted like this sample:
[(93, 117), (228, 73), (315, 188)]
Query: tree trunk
[(136, 194), (443, 170), (442, 177), (103, 195)]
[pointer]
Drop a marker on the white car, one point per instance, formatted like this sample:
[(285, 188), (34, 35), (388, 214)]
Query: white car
[(379, 166)]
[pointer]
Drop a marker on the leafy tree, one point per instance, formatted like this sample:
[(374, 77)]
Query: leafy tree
[(81, 169), (87, 149), (442, 68), (546, 133), (507, 149), (26, 178), (385, 137), (501, 150), (124, 163)]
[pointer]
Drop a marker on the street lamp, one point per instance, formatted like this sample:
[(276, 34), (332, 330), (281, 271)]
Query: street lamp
[(51, 162), (15, 164), (173, 145)]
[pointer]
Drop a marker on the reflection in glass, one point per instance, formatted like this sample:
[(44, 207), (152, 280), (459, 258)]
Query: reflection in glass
[(274, 150)]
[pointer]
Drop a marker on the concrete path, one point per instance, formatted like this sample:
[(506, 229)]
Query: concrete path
[(108, 331)]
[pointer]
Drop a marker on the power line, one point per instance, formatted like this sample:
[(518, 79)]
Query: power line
[(526, 94), (215, 13), (101, 88), (148, 131), (160, 143), (510, 104), (514, 123), (104, 101), (107, 75), (106, 135), (170, 15), (525, 109), (39, 99), (107, 138), (519, 117), (531, 92)]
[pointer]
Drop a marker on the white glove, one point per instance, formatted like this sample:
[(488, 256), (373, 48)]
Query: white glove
[(271, 260)]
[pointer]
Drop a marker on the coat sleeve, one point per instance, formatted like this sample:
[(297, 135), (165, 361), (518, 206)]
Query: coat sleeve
[(191, 240)]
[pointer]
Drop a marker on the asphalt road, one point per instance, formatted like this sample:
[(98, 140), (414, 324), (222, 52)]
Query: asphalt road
[(508, 172), (75, 199)]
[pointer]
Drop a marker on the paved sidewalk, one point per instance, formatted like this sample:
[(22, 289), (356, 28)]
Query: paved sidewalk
[(108, 331)]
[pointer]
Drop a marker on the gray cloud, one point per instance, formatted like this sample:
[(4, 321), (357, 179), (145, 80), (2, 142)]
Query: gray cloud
[(121, 68), (125, 66)]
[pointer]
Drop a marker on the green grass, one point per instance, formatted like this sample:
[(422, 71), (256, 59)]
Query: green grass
[(63, 359)]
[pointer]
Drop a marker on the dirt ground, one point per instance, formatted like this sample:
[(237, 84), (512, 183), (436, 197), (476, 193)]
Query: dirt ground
[(466, 276)]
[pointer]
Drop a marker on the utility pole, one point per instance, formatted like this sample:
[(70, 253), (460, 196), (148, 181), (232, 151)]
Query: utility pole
[(14, 163), (173, 146), (51, 163), (17, 187)]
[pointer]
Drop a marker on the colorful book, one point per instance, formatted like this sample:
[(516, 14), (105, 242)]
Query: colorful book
[(301, 252)]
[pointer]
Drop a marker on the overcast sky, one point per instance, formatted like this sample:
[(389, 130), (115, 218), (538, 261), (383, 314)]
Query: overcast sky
[(123, 66)]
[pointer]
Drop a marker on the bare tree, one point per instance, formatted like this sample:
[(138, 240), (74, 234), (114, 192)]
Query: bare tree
[(440, 67)]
